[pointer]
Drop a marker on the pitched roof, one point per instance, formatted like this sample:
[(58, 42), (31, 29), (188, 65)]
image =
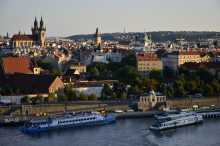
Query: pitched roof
[(147, 57), (187, 53), (22, 37), (28, 84), (12, 65)]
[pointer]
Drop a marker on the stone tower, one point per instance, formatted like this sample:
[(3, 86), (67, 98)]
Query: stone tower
[(39, 33), (42, 33), (34, 30), (147, 42), (98, 38)]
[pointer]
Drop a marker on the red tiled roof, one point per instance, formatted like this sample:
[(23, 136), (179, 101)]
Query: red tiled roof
[(28, 84), (13, 65), (147, 57), (22, 37), (187, 53)]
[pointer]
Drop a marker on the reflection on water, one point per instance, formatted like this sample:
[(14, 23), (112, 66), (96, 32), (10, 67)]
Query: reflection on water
[(131, 132)]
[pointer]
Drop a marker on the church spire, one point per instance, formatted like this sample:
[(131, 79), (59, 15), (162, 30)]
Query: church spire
[(98, 38), (41, 23), (35, 23)]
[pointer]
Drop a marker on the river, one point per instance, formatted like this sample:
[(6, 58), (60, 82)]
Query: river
[(129, 132)]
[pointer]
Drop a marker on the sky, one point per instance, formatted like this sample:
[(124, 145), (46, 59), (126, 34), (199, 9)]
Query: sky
[(71, 17)]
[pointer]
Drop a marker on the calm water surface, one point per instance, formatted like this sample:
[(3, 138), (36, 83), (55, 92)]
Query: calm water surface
[(130, 132)]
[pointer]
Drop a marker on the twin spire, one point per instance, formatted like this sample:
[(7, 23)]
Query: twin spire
[(41, 26)]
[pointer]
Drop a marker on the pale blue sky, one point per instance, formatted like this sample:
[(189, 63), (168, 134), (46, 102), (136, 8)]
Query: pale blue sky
[(67, 17)]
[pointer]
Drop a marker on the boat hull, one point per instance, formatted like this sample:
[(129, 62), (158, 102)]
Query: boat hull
[(34, 130), (174, 127)]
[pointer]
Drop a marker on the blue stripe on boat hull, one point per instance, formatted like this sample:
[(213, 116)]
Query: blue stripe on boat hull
[(40, 130)]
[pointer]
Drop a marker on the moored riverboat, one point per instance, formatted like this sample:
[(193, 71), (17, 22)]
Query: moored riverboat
[(69, 120), (176, 120)]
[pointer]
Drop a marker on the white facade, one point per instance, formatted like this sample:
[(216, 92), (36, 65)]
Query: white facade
[(175, 59), (97, 90), (147, 102), (115, 57), (100, 57)]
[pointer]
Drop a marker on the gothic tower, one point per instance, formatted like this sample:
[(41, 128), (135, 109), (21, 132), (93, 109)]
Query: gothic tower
[(34, 30), (147, 42), (98, 38), (39, 33), (42, 33)]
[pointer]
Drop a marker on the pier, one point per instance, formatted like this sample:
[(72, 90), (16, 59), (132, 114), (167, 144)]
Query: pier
[(18, 120), (210, 115)]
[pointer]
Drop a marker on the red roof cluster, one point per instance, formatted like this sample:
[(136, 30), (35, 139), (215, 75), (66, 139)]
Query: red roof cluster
[(147, 57), (187, 53), (22, 37), (12, 65)]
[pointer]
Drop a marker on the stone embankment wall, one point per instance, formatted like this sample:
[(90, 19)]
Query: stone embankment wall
[(187, 103), (59, 108)]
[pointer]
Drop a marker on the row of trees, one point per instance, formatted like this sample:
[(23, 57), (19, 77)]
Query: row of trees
[(174, 84), (68, 94)]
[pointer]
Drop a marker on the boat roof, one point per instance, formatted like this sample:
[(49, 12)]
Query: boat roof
[(174, 115), (66, 116)]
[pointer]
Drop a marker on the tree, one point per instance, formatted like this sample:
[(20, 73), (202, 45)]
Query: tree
[(179, 90), (122, 95), (51, 98), (70, 93), (216, 87), (92, 97), (191, 86), (62, 98), (25, 100), (129, 60), (82, 96), (169, 73), (169, 91), (106, 92), (208, 90), (205, 75), (127, 75), (45, 65), (156, 74), (94, 72), (151, 84), (134, 90)]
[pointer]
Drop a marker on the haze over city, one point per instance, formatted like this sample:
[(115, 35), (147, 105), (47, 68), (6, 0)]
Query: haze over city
[(109, 72), (64, 18)]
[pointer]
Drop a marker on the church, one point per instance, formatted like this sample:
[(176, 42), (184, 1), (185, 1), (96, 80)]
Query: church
[(37, 38)]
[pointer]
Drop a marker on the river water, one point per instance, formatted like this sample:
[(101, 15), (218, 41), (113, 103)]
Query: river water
[(129, 132)]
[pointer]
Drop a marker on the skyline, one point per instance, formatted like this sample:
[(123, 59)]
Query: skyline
[(65, 18)]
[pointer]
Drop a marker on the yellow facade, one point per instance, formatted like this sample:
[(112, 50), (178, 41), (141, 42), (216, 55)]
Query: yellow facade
[(147, 66), (148, 102), (79, 67), (22, 43)]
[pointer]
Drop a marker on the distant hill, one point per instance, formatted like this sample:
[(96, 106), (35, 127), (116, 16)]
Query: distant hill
[(159, 36)]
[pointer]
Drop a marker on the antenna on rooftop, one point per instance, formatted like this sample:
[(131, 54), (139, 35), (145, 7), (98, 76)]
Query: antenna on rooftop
[(124, 31)]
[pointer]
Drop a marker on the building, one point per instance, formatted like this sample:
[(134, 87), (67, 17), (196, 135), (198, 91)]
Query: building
[(15, 87), (100, 57), (21, 65), (143, 45), (98, 38), (89, 87), (150, 101), (212, 67), (175, 59), (81, 68), (147, 62), (37, 37), (124, 44)]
